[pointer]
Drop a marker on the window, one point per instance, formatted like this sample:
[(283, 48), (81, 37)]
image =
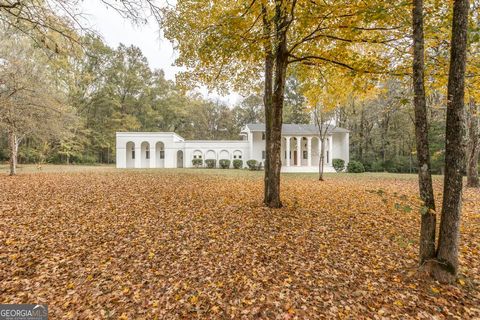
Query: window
[(194, 157), (234, 157), (305, 154), (263, 136), (239, 157), (133, 154), (200, 157), (162, 154), (147, 154), (263, 154)]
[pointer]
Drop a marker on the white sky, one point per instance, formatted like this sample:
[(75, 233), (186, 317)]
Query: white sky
[(159, 51)]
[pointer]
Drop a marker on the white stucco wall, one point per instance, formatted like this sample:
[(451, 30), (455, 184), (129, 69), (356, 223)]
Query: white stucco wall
[(216, 149), (170, 141), (341, 146), (258, 146)]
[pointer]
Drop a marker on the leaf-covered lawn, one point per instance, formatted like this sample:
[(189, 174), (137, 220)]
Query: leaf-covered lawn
[(183, 245)]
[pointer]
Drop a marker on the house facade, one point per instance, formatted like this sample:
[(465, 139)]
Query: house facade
[(300, 148)]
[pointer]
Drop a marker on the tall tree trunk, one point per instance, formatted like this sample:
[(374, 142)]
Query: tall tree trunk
[(276, 63), (13, 148), (267, 98), (473, 146), (321, 161), (428, 217), (446, 268)]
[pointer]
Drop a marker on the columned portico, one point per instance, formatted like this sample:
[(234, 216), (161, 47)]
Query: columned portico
[(287, 149), (299, 151)]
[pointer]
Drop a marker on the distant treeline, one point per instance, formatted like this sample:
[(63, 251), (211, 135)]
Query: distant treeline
[(112, 90)]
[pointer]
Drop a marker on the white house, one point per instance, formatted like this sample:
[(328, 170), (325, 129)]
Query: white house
[(300, 148)]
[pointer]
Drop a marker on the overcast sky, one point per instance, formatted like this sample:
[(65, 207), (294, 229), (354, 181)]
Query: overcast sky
[(115, 30)]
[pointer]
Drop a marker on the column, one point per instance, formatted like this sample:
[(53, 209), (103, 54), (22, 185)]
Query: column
[(309, 150), (153, 155), (287, 148), (138, 155), (330, 150), (299, 151)]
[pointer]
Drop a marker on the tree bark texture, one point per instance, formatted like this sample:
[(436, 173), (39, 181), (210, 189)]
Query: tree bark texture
[(321, 161), (428, 216), (473, 145), (446, 267), (13, 148), (275, 78)]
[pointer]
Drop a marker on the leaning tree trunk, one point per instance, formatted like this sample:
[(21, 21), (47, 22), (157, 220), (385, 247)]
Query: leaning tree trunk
[(473, 146), (428, 217), (446, 267), (13, 148)]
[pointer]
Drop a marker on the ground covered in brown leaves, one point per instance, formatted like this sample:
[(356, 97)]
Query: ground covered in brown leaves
[(189, 244)]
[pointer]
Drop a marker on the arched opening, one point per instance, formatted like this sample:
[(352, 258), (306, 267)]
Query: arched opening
[(224, 154), (130, 155), (145, 156), (179, 159), (237, 155), (197, 155), (160, 154), (210, 155)]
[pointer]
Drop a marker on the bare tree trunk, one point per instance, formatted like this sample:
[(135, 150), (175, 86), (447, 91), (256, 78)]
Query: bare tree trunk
[(13, 148), (446, 267), (473, 146), (428, 216), (321, 161), (276, 68)]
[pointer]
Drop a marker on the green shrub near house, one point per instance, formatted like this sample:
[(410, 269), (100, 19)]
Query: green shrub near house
[(238, 164), (224, 163), (197, 162), (355, 167), (254, 165), (210, 163), (338, 164)]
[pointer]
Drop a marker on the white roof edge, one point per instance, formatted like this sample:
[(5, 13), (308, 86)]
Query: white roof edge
[(222, 141), (126, 133)]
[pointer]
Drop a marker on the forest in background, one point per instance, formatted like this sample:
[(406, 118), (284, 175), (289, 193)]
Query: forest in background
[(109, 90)]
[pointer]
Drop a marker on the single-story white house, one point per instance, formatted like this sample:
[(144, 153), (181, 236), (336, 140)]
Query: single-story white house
[(300, 148)]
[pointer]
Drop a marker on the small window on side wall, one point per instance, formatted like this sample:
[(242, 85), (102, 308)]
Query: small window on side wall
[(133, 154), (234, 157), (239, 157), (147, 154), (162, 154)]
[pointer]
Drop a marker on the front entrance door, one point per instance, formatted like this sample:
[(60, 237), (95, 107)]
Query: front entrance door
[(294, 158)]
